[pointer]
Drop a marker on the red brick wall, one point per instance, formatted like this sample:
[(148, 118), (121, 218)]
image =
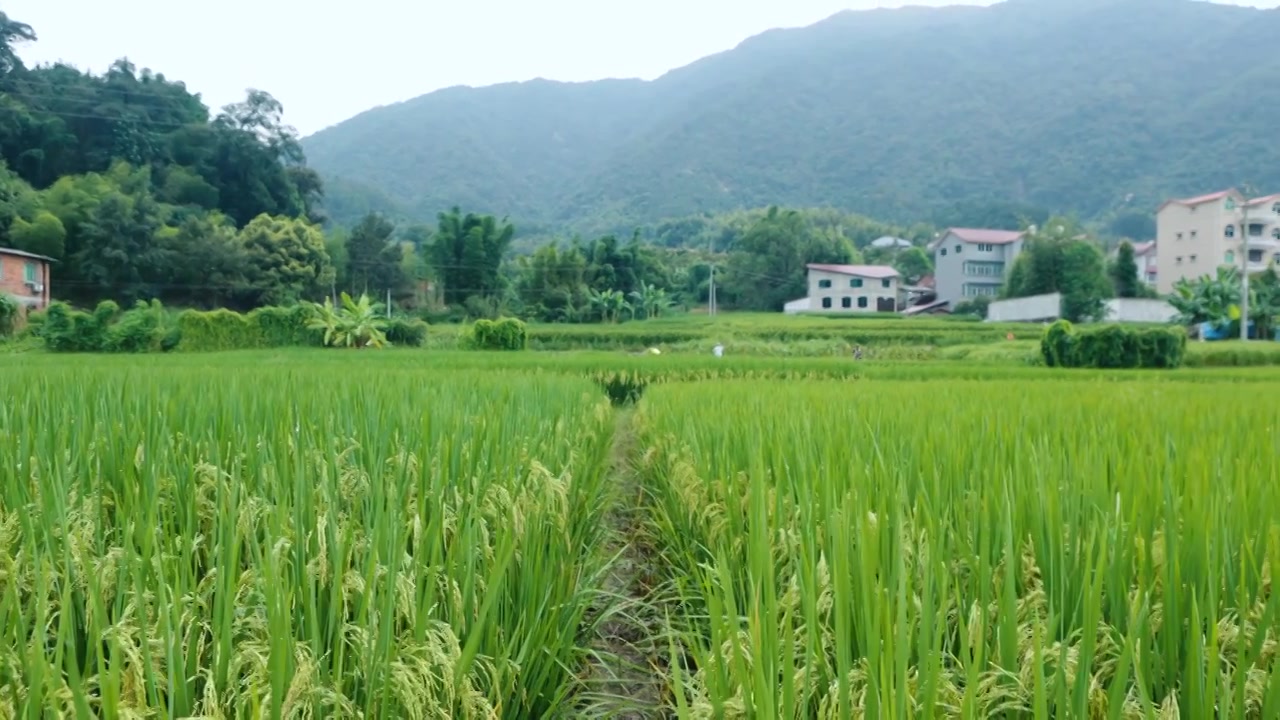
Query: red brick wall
[(13, 282)]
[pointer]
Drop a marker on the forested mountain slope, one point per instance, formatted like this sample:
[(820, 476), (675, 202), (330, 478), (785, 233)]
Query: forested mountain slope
[(1071, 105)]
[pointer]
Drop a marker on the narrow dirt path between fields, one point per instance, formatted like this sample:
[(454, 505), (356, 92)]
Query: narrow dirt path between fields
[(623, 680)]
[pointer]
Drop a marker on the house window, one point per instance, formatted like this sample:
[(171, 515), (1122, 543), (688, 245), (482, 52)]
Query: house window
[(1276, 233), (824, 284), (1229, 257), (1255, 229), (826, 302), (862, 302), (1230, 231), (1193, 258), (29, 273), (1179, 236), (944, 251), (958, 248), (855, 283), (884, 283), (846, 302), (984, 269), (1193, 234), (1255, 256), (1275, 208), (1179, 260), (1231, 203)]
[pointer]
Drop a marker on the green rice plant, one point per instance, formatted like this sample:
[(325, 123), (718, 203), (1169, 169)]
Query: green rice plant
[(205, 538), (1017, 549)]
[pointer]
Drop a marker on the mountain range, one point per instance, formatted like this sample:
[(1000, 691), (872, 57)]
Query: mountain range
[(1088, 107)]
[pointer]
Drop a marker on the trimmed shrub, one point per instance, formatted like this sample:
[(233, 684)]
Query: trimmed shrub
[(215, 330), (139, 330), (285, 326), (1057, 344), (145, 328), (407, 332), (504, 334), (1113, 346)]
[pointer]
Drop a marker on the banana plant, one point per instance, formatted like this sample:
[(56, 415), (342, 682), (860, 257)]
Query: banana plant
[(357, 324)]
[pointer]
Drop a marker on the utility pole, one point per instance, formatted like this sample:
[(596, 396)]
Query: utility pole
[(1244, 267), (388, 303), (711, 296)]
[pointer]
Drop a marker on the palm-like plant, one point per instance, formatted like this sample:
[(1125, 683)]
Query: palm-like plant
[(651, 300), (1211, 299), (609, 303), (358, 323)]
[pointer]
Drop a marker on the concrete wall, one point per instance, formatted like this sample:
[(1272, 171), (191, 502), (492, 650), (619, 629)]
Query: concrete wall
[(1140, 310), (1027, 309)]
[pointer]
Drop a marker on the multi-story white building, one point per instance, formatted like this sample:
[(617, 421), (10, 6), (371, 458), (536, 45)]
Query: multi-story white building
[(969, 263), (1196, 236), (849, 288)]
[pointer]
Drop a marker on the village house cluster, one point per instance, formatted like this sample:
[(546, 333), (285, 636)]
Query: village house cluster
[(1194, 237)]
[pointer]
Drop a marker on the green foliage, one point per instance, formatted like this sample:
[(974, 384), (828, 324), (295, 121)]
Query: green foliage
[(144, 328), (1124, 273), (913, 263), (504, 334), (216, 330), (373, 261), (287, 261), (1208, 299), (44, 235), (1113, 346), (407, 332), (976, 306), (1057, 347), (1057, 258), (466, 253), (127, 181), (265, 327), (353, 324), (767, 267), (794, 118), (10, 314)]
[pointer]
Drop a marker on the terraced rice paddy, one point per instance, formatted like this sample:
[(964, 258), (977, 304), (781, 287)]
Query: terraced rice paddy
[(351, 535)]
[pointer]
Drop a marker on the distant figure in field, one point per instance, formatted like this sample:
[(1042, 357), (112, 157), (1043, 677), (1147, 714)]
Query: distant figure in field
[(857, 352), (718, 350)]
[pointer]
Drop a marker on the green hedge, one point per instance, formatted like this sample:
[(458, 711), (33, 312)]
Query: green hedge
[(505, 334), (1113, 346), (144, 328), (407, 332)]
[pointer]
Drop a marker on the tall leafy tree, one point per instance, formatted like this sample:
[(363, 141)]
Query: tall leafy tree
[(1058, 258), (12, 33), (1124, 273), (373, 260), (285, 261), (466, 253), (767, 266), (913, 263)]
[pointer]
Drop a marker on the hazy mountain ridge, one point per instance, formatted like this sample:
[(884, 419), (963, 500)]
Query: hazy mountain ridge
[(1070, 106)]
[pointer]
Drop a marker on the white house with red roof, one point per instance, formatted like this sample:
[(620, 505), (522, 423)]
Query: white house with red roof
[(849, 288), (1197, 235), (973, 262)]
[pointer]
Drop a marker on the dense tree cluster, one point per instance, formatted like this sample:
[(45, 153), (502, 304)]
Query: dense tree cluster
[(137, 190), (1057, 257)]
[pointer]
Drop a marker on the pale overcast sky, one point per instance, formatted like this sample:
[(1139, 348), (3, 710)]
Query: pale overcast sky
[(327, 66)]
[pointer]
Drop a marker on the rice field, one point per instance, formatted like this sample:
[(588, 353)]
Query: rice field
[(968, 550), (407, 535)]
